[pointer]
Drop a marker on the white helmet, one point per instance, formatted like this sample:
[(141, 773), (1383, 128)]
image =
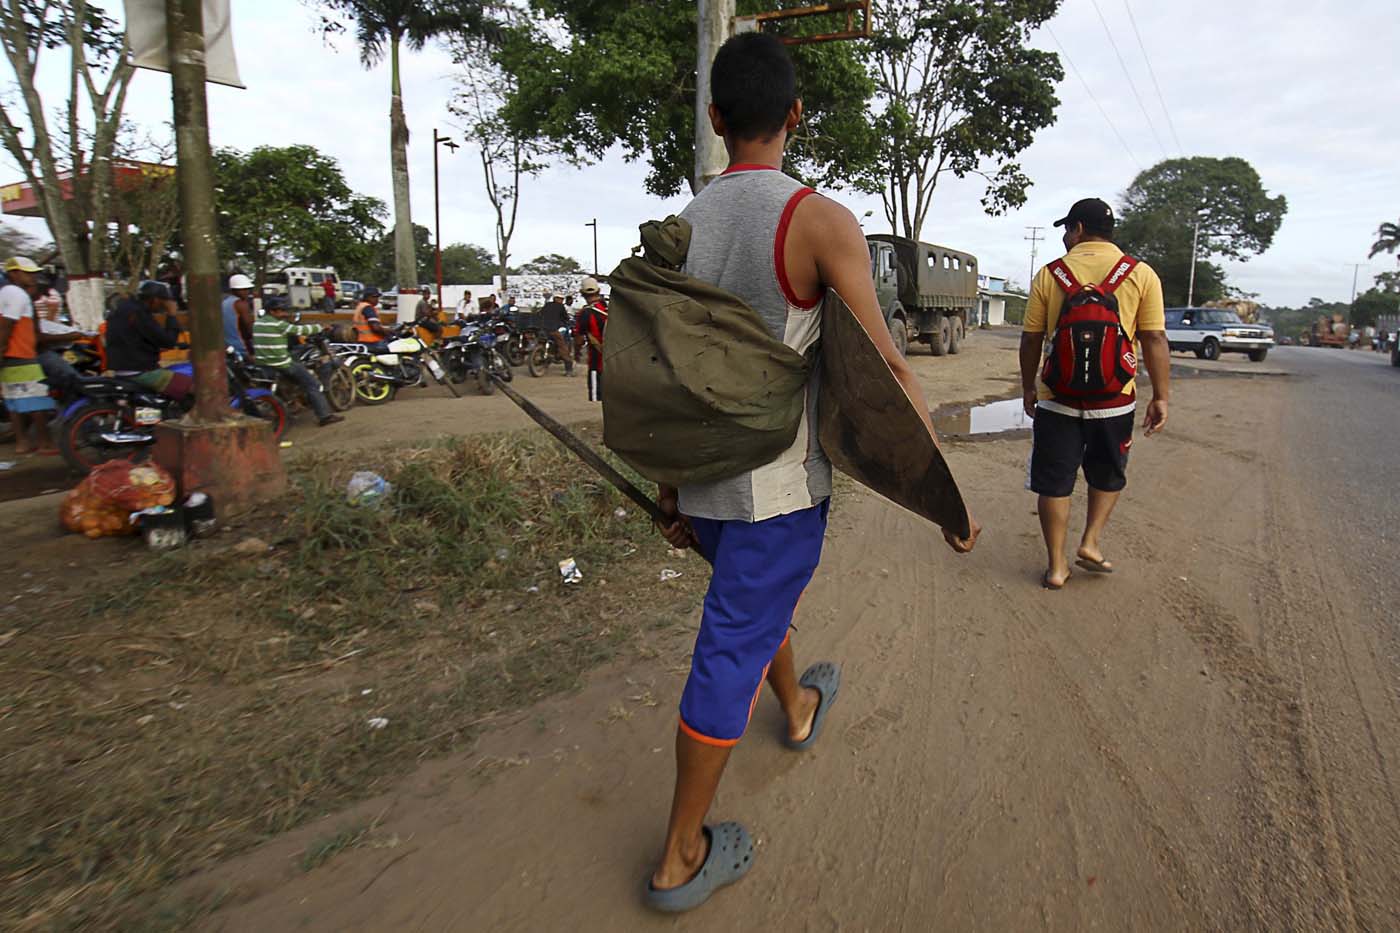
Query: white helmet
[(235, 282)]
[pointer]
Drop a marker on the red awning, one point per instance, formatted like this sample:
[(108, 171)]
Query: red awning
[(22, 200)]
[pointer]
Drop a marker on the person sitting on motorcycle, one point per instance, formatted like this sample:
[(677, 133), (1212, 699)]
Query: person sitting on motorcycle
[(369, 330), (270, 334), (554, 323), (137, 331)]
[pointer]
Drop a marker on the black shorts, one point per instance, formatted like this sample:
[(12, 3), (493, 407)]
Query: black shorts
[(1063, 444)]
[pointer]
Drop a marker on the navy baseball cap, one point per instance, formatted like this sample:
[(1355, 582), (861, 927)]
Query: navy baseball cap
[(1093, 213)]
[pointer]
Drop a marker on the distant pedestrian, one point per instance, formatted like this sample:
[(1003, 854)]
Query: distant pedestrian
[(328, 301), (465, 308), (21, 378), (1085, 419), (591, 324), (554, 325)]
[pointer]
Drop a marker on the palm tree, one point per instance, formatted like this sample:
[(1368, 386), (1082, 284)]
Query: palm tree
[(390, 24), (1387, 239)]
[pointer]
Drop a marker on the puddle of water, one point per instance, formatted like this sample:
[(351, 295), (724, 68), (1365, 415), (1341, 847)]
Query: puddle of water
[(993, 418)]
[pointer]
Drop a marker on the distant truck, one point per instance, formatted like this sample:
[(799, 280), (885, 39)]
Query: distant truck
[(1327, 331), (301, 285), (928, 292)]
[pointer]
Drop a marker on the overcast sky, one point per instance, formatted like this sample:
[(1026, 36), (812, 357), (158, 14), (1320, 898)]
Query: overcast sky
[(1293, 87)]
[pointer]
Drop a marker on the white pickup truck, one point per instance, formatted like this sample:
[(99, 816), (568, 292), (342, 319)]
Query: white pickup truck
[(1209, 332)]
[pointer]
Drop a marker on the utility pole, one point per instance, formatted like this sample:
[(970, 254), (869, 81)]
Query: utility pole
[(1191, 284), (437, 209), (1035, 238), (1355, 271), (714, 23), (594, 224)]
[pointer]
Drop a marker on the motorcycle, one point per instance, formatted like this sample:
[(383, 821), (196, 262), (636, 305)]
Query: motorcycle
[(544, 355), (476, 352), (114, 417), (337, 383), (407, 362)]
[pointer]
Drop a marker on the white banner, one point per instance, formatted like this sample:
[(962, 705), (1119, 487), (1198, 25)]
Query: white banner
[(146, 33)]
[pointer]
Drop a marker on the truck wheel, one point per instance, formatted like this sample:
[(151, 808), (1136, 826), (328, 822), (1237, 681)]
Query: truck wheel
[(955, 344), (941, 337), (1210, 350), (1257, 356), (900, 334)]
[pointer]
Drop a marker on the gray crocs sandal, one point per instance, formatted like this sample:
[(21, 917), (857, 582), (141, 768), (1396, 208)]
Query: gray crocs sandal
[(729, 859), (825, 678)]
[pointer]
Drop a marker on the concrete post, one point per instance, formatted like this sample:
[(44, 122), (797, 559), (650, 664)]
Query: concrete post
[(714, 24)]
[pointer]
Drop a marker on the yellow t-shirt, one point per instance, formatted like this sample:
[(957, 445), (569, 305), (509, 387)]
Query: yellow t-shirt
[(1140, 305)]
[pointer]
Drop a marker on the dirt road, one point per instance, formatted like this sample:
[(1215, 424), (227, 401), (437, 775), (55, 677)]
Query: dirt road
[(1207, 739)]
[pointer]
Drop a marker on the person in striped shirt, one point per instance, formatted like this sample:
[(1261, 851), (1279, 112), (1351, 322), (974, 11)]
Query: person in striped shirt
[(270, 336)]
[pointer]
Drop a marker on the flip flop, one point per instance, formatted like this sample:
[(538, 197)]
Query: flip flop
[(825, 678), (1094, 566), (729, 859), (1045, 581)]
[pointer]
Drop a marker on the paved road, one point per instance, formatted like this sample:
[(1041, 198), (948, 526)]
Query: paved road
[(1209, 739)]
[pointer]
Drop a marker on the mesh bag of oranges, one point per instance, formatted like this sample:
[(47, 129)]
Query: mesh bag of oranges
[(102, 504)]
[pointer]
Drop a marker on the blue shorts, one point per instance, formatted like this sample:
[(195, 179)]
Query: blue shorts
[(760, 571)]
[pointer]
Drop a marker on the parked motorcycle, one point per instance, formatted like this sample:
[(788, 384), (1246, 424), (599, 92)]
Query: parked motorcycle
[(115, 417), (407, 362), (476, 352), (337, 382), (544, 355)]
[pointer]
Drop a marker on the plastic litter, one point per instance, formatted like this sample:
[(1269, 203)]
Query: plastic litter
[(377, 723), (619, 513), (368, 489), (502, 554), (532, 589), (199, 513), (568, 569), (162, 527), (285, 444), (668, 575)]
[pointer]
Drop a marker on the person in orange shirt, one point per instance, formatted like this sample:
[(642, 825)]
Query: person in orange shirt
[(21, 378)]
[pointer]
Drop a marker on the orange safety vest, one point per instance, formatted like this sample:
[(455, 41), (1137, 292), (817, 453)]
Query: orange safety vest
[(363, 332)]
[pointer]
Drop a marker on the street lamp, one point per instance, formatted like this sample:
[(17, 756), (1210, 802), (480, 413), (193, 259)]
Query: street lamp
[(1195, 238), (594, 224), (437, 209)]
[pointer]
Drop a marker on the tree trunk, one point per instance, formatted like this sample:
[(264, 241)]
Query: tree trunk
[(405, 260)]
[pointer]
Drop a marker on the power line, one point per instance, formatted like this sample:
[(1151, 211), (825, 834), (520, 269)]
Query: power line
[(1153, 74), (1104, 113), (1131, 86)]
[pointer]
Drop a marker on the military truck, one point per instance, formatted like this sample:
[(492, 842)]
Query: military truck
[(928, 293)]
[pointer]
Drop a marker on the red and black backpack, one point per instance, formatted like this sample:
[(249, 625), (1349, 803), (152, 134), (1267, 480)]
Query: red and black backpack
[(1091, 357)]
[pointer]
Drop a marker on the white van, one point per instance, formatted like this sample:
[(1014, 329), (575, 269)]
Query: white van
[(302, 285)]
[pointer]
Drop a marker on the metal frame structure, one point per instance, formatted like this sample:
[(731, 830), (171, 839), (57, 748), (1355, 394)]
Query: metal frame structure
[(853, 30)]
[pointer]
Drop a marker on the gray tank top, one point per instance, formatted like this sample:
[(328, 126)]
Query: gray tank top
[(738, 226)]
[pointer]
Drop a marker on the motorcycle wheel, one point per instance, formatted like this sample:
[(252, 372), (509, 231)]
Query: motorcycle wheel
[(515, 354), (80, 439), (340, 388), (270, 409), (484, 382), (539, 361), (368, 389), (502, 368), (292, 396)]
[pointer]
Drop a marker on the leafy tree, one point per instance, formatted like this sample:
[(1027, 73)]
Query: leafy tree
[(1387, 239), (99, 75), (383, 26), (291, 205), (959, 91), (620, 73), (1370, 305), (379, 264), (552, 264), (1238, 219), (467, 263)]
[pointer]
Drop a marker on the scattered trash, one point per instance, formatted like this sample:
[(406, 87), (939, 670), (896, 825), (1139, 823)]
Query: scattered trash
[(162, 527), (368, 489), (620, 513), (367, 691), (668, 575), (377, 723), (676, 552), (251, 546), (532, 589), (103, 503), (503, 554), (568, 569), (285, 444), (199, 513)]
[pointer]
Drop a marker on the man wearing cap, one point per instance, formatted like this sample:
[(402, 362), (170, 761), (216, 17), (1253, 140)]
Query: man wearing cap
[(21, 378), (554, 324), (591, 323), (138, 330), (238, 314), (425, 313), (270, 336), (369, 330), (1074, 434)]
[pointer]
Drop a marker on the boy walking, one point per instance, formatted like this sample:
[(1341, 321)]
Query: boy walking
[(1088, 423), (773, 242)]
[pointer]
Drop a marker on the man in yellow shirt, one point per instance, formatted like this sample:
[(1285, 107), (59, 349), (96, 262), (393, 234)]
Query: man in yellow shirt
[(1094, 434)]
